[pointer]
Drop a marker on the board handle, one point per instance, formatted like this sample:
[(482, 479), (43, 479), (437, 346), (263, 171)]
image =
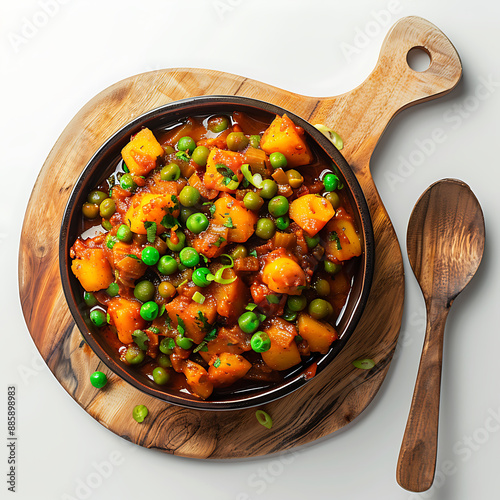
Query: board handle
[(391, 87)]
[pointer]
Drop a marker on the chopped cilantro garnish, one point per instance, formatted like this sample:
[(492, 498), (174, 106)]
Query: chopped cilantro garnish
[(253, 253), (181, 326), (154, 330), (169, 221), (140, 338), (211, 335), (224, 170), (203, 321), (150, 230), (229, 223), (335, 237), (132, 256), (220, 241), (182, 155)]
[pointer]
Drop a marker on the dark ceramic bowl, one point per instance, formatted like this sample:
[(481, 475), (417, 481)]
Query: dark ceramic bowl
[(104, 162)]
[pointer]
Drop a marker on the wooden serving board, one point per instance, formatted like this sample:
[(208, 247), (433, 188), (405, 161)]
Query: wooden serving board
[(341, 392)]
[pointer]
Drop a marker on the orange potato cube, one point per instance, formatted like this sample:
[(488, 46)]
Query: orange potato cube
[(284, 275), (319, 335), (283, 353), (311, 212), (150, 207), (213, 178), (197, 378), (125, 316), (230, 368), (344, 242), (231, 213), (141, 153), (93, 270), (231, 298), (282, 136)]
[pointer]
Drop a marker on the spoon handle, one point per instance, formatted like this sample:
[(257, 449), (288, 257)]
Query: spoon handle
[(417, 458)]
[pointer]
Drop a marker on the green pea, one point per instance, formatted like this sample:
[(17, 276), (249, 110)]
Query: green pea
[(189, 196), (268, 189), (189, 257), (278, 206), (255, 141), (312, 241), (170, 172), (185, 213), (150, 255), (160, 375), (90, 210), (295, 179), (96, 197), (177, 247), (331, 182), (166, 289), (322, 287), (278, 160), (89, 299), (107, 208), (168, 150), (248, 322), (282, 223), (164, 361), (319, 308), (334, 199), (236, 141), (197, 223), (113, 289), (252, 201), (127, 182), (296, 302), (124, 233), (167, 345), (134, 355), (139, 413), (98, 317), (149, 311), (265, 228), (186, 144), (199, 277), (218, 124), (289, 315), (98, 380), (107, 225), (144, 291), (331, 267), (167, 265), (260, 342), (239, 252), (200, 155), (183, 342)]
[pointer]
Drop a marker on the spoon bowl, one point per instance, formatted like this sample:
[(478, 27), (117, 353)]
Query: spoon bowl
[(445, 244)]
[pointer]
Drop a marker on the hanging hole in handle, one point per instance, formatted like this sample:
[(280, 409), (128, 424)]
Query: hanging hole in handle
[(419, 59)]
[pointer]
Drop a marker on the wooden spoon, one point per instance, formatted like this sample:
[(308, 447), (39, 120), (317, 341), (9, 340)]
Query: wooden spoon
[(445, 243)]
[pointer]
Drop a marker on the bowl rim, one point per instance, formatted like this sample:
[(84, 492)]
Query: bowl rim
[(299, 379)]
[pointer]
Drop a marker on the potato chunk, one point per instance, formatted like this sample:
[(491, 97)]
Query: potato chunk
[(311, 212), (231, 213), (146, 207), (93, 270), (125, 316), (283, 136), (283, 353), (319, 335), (228, 369), (141, 153)]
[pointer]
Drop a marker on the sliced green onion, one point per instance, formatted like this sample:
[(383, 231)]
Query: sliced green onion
[(331, 135), (218, 275), (264, 419), (251, 306), (198, 297), (364, 364), (255, 180)]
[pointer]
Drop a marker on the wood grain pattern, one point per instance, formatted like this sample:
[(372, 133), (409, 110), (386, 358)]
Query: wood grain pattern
[(337, 395), (445, 242)]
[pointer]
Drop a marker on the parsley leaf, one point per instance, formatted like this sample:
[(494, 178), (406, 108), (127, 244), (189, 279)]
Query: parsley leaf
[(211, 335), (132, 256), (154, 330), (229, 223), (253, 253), (140, 338), (169, 221), (150, 230), (217, 363), (224, 170), (220, 241), (273, 299), (203, 321), (335, 237), (181, 326)]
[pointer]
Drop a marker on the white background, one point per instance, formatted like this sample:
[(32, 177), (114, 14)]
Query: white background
[(49, 72)]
